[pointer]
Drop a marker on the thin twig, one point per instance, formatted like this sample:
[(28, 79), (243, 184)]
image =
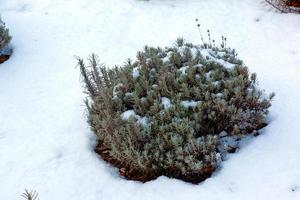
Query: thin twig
[(30, 195)]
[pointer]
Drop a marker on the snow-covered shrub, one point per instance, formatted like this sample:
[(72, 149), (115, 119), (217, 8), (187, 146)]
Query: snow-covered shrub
[(4, 36), (173, 111)]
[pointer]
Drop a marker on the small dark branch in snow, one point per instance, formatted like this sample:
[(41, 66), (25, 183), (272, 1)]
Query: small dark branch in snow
[(30, 195)]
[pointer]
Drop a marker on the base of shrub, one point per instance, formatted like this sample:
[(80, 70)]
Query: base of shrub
[(132, 173), (293, 3), (5, 53), (4, 58)]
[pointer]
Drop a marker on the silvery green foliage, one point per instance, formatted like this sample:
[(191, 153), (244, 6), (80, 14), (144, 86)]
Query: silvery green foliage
[(5, 38), (167, 112)]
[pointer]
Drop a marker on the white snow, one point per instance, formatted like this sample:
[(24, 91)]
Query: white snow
[(183, 69), (212, 56), (189, 103), (224, 63), (216, 83), (166, 102), (129, 94), (208, 74), (198, 65), (130, 113), (45, 142), (135, 72), (144, 121), (219, 95), (181, 50)]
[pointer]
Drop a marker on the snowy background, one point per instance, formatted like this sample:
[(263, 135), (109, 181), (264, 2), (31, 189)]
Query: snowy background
[(45, 142)]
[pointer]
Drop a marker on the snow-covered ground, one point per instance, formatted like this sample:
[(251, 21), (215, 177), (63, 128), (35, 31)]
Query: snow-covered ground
[(45, 142)]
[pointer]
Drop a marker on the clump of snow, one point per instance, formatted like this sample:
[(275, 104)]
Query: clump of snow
[(223, 134), (194, 51), (144, 121), (166, 59), (129, 113), (198, 65), (166, 102), (216, 83), (219, 95), (128, 94), (155, 86), (206, 53), (224, 63), (135, 72), (221, 53), (126, 115), (183, 69), (213, 57), (189, 103), (207, 75), (181, 50)]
